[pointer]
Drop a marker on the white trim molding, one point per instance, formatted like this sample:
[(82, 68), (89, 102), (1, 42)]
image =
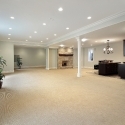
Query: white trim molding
[(88, 67), (40, 66), (53, 68), (11, 71)]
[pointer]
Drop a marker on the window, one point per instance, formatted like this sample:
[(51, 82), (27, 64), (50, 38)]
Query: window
[(90, 54)]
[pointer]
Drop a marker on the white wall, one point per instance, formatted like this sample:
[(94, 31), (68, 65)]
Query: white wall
[(31, 57), (53, 58), (116, 56), (7, 52)]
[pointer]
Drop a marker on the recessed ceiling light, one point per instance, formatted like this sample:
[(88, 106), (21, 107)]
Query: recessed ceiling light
[(89, 17), (35, 31), (30, 36), (12, 17), (84, 39), (47, 38), (44, 24), (60, 9), (67, 28), (41, 41), (26, 40), (8, 38), (54, 34), (61, 45), (96, 41), (9, 34), (10, 28)]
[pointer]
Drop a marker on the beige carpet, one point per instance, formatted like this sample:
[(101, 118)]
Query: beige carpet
[(57, 97)]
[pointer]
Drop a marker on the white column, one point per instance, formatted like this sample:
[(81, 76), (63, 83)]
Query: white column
[(47, 58), (79, 57)]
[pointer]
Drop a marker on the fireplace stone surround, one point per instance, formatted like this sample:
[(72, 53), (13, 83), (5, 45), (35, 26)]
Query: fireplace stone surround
[(65, 58)]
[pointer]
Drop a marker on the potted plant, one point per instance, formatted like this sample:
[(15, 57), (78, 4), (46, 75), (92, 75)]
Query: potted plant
[(19, 62), (2, 64)]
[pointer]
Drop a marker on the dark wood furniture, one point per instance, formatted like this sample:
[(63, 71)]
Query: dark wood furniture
[(108, 68), (121, 70), (96, 66)]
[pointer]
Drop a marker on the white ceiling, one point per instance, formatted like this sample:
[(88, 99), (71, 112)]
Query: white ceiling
[(114, 33), (31, 14)]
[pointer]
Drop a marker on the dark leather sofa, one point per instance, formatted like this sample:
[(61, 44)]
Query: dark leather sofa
[(121, 70)]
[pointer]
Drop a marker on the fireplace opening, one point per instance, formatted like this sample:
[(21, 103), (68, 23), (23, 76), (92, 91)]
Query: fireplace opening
[(64, 63)]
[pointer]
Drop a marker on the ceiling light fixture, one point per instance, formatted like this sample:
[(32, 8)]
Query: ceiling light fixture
[(9, 34), (12, 17), (47, 38), (67, 28), (84, 39), (30, 36), (41, 41), (108, 49), (61, 45), (60, 9), (89, 17), (26, 40), (10, 28), (96, 41), (44, 24), (8, 38), (35, 31), (54, 34)]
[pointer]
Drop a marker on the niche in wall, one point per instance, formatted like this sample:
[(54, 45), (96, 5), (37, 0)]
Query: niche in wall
[(90, 54)]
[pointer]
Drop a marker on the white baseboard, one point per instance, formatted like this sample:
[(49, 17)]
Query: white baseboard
[(11, 71), (84, 67), (53, 68), (88, 67), (77, 67), (41, 66)]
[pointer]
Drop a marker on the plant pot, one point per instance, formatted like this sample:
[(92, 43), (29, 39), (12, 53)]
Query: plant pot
[(1, 84)]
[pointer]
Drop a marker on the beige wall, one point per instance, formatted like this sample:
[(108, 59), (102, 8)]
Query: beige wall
[(35, 57), (53, 58), (117, 56), (7, 52), (31, 57)]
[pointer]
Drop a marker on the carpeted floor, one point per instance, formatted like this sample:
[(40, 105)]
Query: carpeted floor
[(57, 97)]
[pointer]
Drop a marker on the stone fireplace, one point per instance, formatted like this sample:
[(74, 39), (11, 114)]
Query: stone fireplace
[(64, 63), (65, 58)]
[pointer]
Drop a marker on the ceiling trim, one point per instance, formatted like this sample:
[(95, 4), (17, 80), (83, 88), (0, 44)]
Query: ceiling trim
[(22, 43), (111, 20)]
